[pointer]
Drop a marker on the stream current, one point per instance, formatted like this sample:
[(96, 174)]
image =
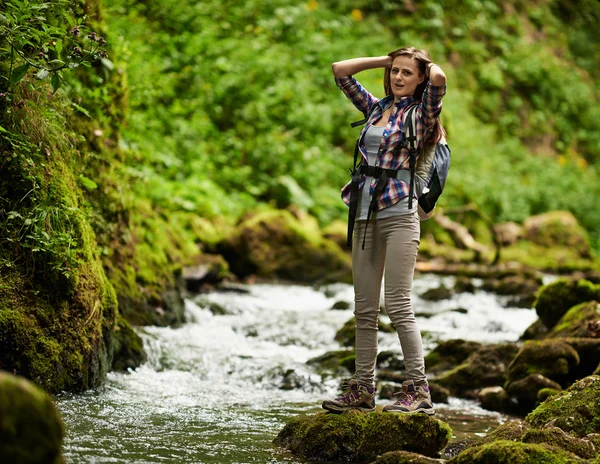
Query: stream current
[(211, 390)]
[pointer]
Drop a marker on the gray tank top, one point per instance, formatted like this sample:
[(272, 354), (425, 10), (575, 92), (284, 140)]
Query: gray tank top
[(372, 142)]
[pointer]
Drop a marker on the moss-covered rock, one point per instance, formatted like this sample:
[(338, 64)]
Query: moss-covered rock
[(334, 360), (276, 244), (509, 431), (558, 438), (552, 358), (341, 305), (405, 457), (358, 436), (557, 228), (588, 350), (555, 299), (31, 431), (510, 452), (535, 331), (546, 393), (575, 322), (487, 367), (437, 294), (449, 354), (522, 287), (526, 391), (206, 269), (575, 410), (346, 335), (127, 347)]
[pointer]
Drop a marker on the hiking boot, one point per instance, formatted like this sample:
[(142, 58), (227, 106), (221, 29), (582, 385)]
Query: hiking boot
[(412, 398), (355, 397)]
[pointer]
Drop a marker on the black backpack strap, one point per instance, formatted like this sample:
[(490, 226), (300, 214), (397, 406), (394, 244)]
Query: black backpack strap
[(410, 142)]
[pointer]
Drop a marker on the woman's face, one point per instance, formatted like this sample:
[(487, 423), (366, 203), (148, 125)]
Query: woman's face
[(405, 76)]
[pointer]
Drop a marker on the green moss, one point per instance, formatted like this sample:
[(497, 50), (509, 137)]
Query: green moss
[(575, 410), (546, 393), (355, 435), (510, 452), (511, 431), (127, 347), (404, 457), (450, 353), (555, 299), (31, 431)]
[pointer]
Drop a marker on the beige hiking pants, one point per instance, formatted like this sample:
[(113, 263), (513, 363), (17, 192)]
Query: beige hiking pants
[(391, 243)]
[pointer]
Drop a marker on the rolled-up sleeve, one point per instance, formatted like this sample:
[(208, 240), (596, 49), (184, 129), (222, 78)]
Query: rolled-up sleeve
[(362, 99), (432, 102)]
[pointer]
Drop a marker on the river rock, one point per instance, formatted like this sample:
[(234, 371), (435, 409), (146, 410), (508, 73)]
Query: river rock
[(206, 269), (526, 391), (551, 358), (507, 233), (346, 335), (487, 367), (555, 299), (449, 354), (546, 393), (333, 361), (275, 244), (509, 431), (31, 431), (575, 410), (128, 347), (406, 457), (495, 399), (535, 331), (560, 439), (390, 360), (437, 294), (576, 321), (464, 285), (557, 228), (357, 436), (341, 305), (504, 451), (522, 287), (588, 350)]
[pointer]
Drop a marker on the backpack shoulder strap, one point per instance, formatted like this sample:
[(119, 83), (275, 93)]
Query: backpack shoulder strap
[(365, 119), (408, 128)]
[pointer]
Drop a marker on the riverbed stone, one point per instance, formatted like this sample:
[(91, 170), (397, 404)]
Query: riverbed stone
[(551, 358), (346, 335), (536, 331), (575, 410), (510, 452), (521, 287), (555, 299), (526, 391), (437, 294), (334, 360), (509, 431), (31, 431), (354, 435), (575, 322), (487, 367), (449, 354), (405, 457), (206, 269), (546, 393), (557, 228), (275, 244), (341, 305), (495, 399), (558, 438), (127, 347), (588, 350)]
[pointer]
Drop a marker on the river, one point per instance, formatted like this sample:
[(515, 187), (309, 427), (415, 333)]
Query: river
[(211, 389)]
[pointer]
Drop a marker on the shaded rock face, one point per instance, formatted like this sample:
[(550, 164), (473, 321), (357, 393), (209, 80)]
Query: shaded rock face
[(575, 410), (357, 436), (449, 354), (128, 347), (495, 399), (557, 228), (512, 431), (207, 269), (576, 321), (557, 437), (526, 390), (276, 244), (523, 288), (555, 299), (31, 431), (405, 457)]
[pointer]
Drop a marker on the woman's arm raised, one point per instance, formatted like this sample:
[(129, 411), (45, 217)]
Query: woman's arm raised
[(356, 65), (436, 75)]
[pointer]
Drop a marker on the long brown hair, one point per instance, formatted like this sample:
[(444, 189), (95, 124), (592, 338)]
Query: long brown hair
[(435, 133)]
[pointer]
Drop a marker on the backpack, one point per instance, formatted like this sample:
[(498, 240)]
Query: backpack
[(431, 168)]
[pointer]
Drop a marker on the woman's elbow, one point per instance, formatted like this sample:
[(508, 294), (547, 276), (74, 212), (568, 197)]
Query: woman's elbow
[(335, 68)]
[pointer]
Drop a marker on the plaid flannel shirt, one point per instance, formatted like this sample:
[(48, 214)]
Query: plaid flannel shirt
[(426, 113)]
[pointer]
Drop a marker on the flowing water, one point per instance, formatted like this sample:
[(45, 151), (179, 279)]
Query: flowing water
[(214, 390)]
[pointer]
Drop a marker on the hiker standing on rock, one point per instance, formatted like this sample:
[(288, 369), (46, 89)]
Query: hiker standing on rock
[(387, 232)]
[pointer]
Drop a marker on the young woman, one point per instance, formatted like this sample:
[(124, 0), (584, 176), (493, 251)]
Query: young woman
[(390, 236)]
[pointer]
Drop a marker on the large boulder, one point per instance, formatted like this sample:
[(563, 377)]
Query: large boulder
[(511, 452), (575, 410), (31, 431), (511, 431), (356, 436), (406, 457), (552, 358), (276, 244), (557, 228), (555, 299), (558, 438), (487, 367), (526, 391)]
